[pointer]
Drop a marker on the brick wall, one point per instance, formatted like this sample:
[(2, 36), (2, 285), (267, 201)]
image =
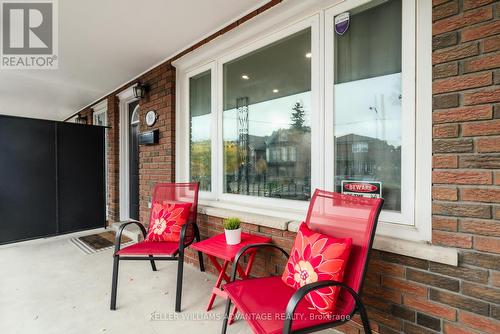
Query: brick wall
[(403, 294)]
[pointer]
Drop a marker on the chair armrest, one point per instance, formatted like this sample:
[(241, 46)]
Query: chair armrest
[(246, 248), (182, 236), (120, 231), (304, 290)]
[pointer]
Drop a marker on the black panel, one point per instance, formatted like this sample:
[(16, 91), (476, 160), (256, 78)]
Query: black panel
[(81, 179), (134, 164), (27, 179)]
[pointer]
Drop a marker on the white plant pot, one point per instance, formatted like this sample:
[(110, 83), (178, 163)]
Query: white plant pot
[(233, 237)]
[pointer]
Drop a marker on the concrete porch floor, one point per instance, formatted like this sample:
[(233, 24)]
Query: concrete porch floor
[(50, 286)]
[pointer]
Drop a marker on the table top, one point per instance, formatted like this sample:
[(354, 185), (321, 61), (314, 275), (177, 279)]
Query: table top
[(217, 246)]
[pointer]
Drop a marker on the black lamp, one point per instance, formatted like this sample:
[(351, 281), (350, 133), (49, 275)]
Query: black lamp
[(140, 90), (81, 119)]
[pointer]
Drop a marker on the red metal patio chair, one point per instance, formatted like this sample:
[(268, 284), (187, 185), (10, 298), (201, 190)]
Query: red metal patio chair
[(162, 251), (270, 306)]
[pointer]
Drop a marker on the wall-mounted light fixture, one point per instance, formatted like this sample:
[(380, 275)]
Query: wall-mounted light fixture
[(81, 119), (140, 90)]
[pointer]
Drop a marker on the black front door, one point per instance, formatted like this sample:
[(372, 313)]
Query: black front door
[(134, 160)]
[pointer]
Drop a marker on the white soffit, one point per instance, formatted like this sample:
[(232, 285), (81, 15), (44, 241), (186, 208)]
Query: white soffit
[(106, 43)]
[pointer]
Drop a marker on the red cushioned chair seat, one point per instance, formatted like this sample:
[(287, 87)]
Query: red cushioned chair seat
[(262, 303), (150, 248)]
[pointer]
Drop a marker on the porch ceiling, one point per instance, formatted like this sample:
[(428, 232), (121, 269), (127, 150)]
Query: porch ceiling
[(104, 43)]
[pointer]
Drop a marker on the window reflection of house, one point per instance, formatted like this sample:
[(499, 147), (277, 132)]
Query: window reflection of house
[(369, 159), (288, 156), (279, 165)]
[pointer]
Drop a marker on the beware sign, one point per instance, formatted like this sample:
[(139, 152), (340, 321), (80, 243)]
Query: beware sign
[(362, 188)]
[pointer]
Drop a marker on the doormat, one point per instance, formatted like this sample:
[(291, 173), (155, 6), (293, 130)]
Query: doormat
[(94, 243)]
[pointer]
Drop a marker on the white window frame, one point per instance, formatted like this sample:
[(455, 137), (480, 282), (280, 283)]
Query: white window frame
[(125, 98), (99, 109), (313, 23), (406, 216), (183, 171), (414, 221)]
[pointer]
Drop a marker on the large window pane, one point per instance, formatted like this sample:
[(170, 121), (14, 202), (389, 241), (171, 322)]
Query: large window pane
[(367, 99), (266, 120), (200, 107)]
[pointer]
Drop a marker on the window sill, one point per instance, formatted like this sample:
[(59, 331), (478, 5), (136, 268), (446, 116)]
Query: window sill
[(291, 222), (254, 218)]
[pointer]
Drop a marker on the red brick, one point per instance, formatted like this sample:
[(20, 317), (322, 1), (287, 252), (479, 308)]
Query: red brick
[(463, 20), (270, 231), (405, 260), (483, 260), (488, 195), (471, 4), (445, 10), (444, 224), (459, 301), (386, 268), (454, 53), (460, 145), (445, 161), (461, 82), (461, 209), (487, 244), (482, 227), (461, 272), (481, 128), (483, 324), (450, 328), (404, 286), (463, 114), (423, 305), (477, 32), (444, 40), (491, 44), (438, 2), (445, 131), (479, 161), (451, 239), (495, 278), (482, 63), (385, 294), (462, 177), (482, 96), (385, 319), (445, 70), (444, 194)]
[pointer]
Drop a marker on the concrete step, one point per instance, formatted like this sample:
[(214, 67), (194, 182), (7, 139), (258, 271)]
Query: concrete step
[(132, 231)]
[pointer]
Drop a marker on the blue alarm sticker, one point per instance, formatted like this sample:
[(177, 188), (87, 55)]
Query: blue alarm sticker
[(342, 23)]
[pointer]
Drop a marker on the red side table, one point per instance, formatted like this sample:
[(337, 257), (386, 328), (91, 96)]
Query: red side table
[(217, 248)]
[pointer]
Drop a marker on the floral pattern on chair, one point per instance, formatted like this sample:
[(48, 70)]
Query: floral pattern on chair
[(317, 257), (166, 221)]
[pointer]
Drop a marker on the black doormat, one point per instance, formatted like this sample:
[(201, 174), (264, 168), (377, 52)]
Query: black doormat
[(94, 243)]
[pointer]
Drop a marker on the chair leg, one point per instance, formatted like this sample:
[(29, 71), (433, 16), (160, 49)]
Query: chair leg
[(178, 294), (226, 316), (200, 259), (364, 318), (153, 265), (114, 284), (200, 254)]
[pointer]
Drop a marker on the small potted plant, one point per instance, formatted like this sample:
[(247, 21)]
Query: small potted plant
[(232, 229)]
